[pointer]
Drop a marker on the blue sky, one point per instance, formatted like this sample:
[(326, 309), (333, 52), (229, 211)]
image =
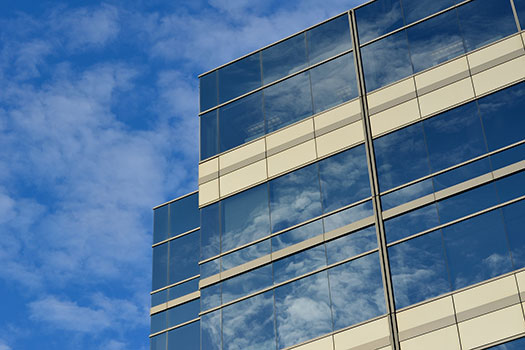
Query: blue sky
[(98, 124)]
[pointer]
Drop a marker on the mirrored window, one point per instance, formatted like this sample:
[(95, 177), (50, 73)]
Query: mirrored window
[(211, 331), (411, 223), (246, 254), (184, 257), (378, 18), (507, 157), (183, 313), (210, 234), (284, 58), (520, 9), (414, 10), (348, 216), (158, 342), (159, 322), (463, 173), (406, 194), (239, 77), (160, 266), (298, 264), (183, 289), (209, 134), (184, 214), (515, 226), (160, 224), (208, 91), (210, 297), (159, 298), (351, 244), (185, 337), (511, 187), (210, 268), (329, 39), (247, 283), (297, 235)]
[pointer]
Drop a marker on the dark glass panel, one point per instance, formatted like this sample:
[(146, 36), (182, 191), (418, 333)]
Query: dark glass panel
[(239, 77), (160, 224), (414, 10), (246, 283), (241, 121), (520, 9), (517, 344), (249, 324), (159, 322), (159, 298), (515, 227), (356, 289), (158, 342), (184, 288), (160, 266), (435, 40), (386, 61), (508, 157), (297, 235), (184, 215), (485, 21), (184, 257), (284, 58), (511, 187), (378, 18), (295, 197), (350, 245), (418, 269), (329, 39), (244, 255), (210, 268), (302, 310), (287, 102), (208, 91), (348, 216), (211, 331), (406, 194), (333, 83), (183, 313), (411, 223), (186, 337), (209, 134), (298, 264), (401, 157), (210, 234), (344, 178), (245, 217), (464, 173), (210, 297)]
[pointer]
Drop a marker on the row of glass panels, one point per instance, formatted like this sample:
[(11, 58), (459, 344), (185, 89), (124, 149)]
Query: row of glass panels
[(176, 218)]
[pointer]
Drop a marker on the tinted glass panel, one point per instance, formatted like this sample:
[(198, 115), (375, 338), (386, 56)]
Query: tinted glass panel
[(508, 157), (208, 91), (158, 342), (210, 268), (511, 187), (184, 257), (512, 345), (378, 18), (211, 331), (298, 264), (160, 266), (246, 283), (515, 226), (284, 58), (406, 194), (520, 8), (297, 235), (464, 173), (159, 298), (158, 322), (184, 214), (348, 216), (186, 337), (184, 288), (239, 77), (210, 235), (287, 102), (160, 224), (415, 10), (411, 223), (183, 313), (350, 245), (209, 134), (244, 255), (210, 297), (329, 39)]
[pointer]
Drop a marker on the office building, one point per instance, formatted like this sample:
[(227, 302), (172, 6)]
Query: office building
[(361, 186)]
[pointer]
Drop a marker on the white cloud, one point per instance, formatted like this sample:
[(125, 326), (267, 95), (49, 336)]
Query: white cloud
[(4, 346)]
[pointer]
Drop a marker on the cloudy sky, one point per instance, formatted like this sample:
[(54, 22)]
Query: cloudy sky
[(98, 123)]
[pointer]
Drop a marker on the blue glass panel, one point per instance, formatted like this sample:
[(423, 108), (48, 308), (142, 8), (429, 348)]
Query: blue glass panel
[(348, 216), (508, 157), (244, 255), (295, 197), (302, 310), (378, 18), (503, 117), (515, 226), (245, 217), (208, 91), (435, 40), (246, 283), (350, 245), (418, 269), (329, 39), (210, 297), (158, 342), (485, 21), (520, 9), (210, 268), (209, 134), (477, 249), (401, 157), (386, 61), (344, 178), (184, 257), (184, 214), (183, 313), (160, 224), (211, 331), (239, 77), (297, 235), (464, 173), (249, 324), (511, 187), (183, 289), (159, 298), (406, 194), (160, 266), (333, 83), (284, 58), (517, 344), (159, 322), (186, 337), (210, 234), (241, 121), (414, 10), (288, 102), (411, 223), (298, 264), (356, 289)]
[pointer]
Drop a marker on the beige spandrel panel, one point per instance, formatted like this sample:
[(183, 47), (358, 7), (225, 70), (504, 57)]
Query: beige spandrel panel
[(495, 54), (394, 117), (242, 156), (442, 75), (291, 158), (208, 192), (446, 97), (444, 338), (391, 95), (208, 170), (499, 76), (290, 136), (243, 178), (369, 336), (337, 117), (340, 138), (491, 327), (321, 344)]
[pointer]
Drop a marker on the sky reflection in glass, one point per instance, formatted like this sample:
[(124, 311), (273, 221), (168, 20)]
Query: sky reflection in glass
[(351, 244), (186, 337), (208, 91), (209, 137), (378, 18), (414, 10), (515, 226), (329, 39), (239, 77), (411, 223), (284, 58), (300, 263), (247, 283), (211, 331), (297, 235)]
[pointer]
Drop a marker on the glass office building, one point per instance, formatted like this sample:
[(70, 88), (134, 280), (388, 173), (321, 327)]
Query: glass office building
[(361, 186)]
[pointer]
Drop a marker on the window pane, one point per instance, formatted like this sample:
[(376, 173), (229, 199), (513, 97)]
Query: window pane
[(406, 194), (507, 157), (356, 288), (186, 337), (160, 266), (284, 58), (210, 297), (160, 224), (158, 342), (159, 298), (244, 255), (386, 61), (378, 18), (210, 268), (159, 322), (299, 264), (302, 310), (245, 217), (184, 288), (246, 283), (350, 245), (329, 39), (297, 235), (511, 187), (210, 235), (208, 91), (520, 9), (239, 77), (184, 257), (249, 324), (183, 313), (485, 21), (211, 331), (209, 134), (295, 197), (414, 10), (435, 40), (184, 214), (515, 226), (287, 102), (464, 173), (348, 216), (411, 223)]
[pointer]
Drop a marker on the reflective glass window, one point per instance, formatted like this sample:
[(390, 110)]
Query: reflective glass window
[(159, 297), (211, 331), (209, 136), (210, 234), (356, 289), (245, 217), (485, 21), (418, 269), (411, 223), (463, 173), (348, 216), (210, 296), (247, 283), (184, 214), (160, 224), (158, 342), (344, 178), (183, 289), (329, 39), (186, 337), (351, 244), (239, 77), (287, 102), (406, 194), (208, 91), (477, 249), (284, 58), (295, 197), (298, 264), (184, 257), (333, 83), (386, 61), (241, 121), (249, 324), (517, 344), (297, 235), (210, 268), (520, 9), (183, 313), (160, 266), (302, 310), (515, 226), (511, 187), (159, 322), (378, 18), (244, 255), (435, 40), (507, 157), (414, 10)]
